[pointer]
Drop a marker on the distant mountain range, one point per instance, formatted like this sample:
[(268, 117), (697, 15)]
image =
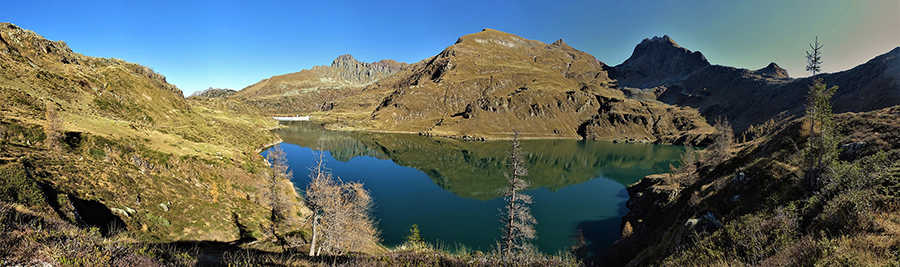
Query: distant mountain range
[(489, 83)]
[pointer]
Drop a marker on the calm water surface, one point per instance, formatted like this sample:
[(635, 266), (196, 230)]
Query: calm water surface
[(450, 188)]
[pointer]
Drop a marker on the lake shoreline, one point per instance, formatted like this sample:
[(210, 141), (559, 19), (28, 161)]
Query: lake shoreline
[(481, 137)]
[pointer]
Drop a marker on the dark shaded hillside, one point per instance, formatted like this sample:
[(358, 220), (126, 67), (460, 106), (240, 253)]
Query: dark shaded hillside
[(657, 61), (750, 97)]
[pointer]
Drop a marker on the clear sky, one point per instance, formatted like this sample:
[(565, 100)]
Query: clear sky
[(233, 44)]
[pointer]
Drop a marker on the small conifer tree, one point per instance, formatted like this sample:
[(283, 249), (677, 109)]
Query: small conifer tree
[(820, 121)]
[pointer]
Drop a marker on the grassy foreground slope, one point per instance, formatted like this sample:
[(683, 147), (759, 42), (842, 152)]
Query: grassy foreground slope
[(106, 143), (754, 208)]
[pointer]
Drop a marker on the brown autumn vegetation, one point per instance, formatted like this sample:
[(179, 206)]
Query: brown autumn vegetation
[(755, 207)]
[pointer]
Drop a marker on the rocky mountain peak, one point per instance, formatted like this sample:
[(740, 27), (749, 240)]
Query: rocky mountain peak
[(658, 61), (344, 59), (27, 43), (560, 42), (774, 71), (214, 92), (497, 39), (664, 40), (363, 71)]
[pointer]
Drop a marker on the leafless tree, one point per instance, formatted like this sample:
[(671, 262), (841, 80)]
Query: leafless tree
[(273, 192), (685, 172), (341, 218), (518, 224), (723, 140), (280, 173)]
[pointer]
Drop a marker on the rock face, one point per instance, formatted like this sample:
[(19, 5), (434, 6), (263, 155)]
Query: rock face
[(214, 93), (361, 73), (490, 83), (749, 97), (658, 61)]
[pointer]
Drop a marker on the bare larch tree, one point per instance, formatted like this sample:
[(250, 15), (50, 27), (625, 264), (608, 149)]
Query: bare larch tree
[(518, 224), (341, 219), (280, 173), (273, 193)]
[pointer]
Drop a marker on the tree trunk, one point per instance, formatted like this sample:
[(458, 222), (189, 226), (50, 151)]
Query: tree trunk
[(312, 245)]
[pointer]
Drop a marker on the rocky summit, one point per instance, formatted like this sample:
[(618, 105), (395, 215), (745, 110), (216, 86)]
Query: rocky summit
[(317, 88), (658, 61)]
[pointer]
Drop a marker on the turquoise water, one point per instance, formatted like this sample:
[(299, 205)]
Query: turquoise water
[(450, 188)]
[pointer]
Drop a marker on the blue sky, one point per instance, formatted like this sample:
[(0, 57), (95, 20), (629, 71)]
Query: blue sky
[(233, 44)]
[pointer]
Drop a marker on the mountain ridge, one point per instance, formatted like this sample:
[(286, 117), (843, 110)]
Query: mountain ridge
[(316, 88), (488, 83)]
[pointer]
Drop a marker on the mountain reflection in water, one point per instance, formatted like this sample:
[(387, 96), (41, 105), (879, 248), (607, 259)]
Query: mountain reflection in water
[(575, 183), (473, 169)]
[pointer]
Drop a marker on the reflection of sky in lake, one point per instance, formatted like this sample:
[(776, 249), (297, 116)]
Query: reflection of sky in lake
[(463, 209)]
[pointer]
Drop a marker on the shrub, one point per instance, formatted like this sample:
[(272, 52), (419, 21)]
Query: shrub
[(17, 187)]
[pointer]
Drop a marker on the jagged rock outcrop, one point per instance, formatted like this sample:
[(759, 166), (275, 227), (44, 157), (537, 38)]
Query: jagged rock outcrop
[(658, 61), (649, 196), (311, 90), (214, 93), (361, 73)]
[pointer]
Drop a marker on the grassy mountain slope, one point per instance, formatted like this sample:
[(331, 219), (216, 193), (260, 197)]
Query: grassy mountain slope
[(753, 208), (131, 150), (489, 83)]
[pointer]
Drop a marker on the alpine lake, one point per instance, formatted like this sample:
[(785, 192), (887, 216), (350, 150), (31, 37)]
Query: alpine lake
[(451, 188)]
